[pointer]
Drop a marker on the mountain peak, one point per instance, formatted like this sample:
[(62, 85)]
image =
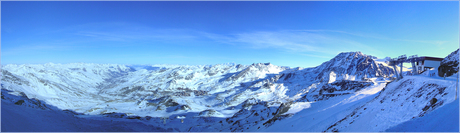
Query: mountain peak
[(353, 65)]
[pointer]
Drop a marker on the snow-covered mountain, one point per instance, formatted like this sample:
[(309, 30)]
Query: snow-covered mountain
[(67, 86), (103, 88), (222, 97), (351, 66)]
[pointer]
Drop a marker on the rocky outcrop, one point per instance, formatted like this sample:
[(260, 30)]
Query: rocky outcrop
[(449, 65), (209, 113)]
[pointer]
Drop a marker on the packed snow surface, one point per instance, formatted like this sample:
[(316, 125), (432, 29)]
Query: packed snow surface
[(444, 119)]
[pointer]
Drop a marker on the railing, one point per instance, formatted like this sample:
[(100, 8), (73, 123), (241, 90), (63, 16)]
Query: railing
[(403, 59)]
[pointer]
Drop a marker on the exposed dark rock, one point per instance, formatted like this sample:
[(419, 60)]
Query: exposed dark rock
[(162, 70), (271, 121), (190, 76), (288, 76), (337, 88), (170, 103), (208, 112), (200, 93), (72, 112), (212, 73), (449, 65), (279, 114), (183, 107), (115, 115), (241, 74), (133, 117), (433, 101), (9, 77), (19, 102)]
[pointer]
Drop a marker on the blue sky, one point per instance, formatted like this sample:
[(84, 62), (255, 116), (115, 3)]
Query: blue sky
[(302, 33)]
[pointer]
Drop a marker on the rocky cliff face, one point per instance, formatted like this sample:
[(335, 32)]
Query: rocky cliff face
[(449, 65)]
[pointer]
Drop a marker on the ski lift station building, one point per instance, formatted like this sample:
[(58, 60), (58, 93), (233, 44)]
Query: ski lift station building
[(426, 62), (419, 64)]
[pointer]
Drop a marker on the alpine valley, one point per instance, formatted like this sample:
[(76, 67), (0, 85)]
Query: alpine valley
[(351, 92)]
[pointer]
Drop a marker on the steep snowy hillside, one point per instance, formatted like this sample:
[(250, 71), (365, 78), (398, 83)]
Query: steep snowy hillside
[(234, 97), (444, 119), (403, 100), (22, 114)]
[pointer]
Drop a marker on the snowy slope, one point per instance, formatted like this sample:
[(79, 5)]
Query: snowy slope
[(321, 114), (76, 84), (403, 100), (29, 117), (444, 119), (103, 88)]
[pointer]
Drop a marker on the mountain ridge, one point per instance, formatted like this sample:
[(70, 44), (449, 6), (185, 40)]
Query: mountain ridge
[(221, 97), (129, 84)]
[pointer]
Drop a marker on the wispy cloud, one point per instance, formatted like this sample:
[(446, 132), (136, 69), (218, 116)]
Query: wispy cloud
[(316, 43), (105, 36), (37, 47), (292, 40), (303, 42), (313, 43), (379, 37), (300, 42), (297, 41)]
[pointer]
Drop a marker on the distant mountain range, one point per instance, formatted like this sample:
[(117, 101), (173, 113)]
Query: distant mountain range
[(235, 97)]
